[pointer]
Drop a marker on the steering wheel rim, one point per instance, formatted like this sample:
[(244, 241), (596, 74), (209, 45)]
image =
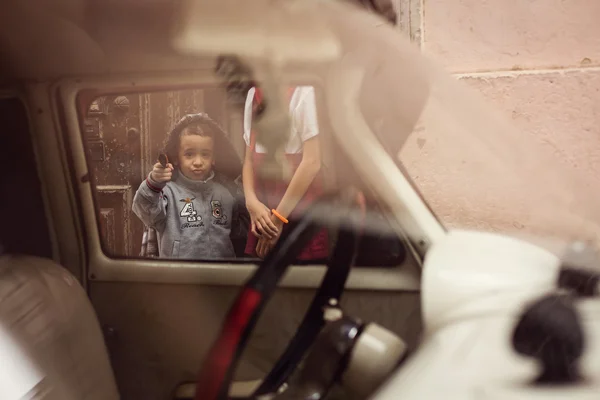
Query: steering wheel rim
[(217, 370)]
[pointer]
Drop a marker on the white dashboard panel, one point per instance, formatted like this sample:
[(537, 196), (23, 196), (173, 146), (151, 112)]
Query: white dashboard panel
[(475, 287)]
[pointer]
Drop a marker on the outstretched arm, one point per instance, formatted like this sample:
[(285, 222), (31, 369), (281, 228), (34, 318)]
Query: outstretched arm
[(148, 203)]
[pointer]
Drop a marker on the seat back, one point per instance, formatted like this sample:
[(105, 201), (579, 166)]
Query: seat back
[(51, 343)]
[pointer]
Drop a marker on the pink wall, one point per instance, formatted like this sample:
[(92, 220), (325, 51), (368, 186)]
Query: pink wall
[(493, 35), (538, 62)]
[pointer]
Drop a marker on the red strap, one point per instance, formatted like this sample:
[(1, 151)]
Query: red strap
[(222, 354), (291, 91)]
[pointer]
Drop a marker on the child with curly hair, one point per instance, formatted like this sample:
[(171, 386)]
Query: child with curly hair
[(195, 208)]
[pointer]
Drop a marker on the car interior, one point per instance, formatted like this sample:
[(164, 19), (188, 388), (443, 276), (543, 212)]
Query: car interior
[(150, 148)]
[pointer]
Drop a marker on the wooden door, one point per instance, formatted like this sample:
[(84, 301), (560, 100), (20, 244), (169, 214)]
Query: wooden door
[(114, 145)]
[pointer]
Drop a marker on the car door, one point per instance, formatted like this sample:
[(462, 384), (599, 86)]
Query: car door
[(161, 316)]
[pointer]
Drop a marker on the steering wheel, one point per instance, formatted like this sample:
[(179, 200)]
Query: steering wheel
[(217, 370)]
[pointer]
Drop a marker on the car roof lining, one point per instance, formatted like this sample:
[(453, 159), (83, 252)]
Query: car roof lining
[(68, 38)]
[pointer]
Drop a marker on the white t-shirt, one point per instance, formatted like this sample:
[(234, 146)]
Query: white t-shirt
[(303, 112)]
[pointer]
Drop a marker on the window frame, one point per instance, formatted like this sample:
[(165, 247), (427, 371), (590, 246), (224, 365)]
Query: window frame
[(101, 267)]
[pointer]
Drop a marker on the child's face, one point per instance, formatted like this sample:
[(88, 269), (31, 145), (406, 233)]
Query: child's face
[(196, 158)]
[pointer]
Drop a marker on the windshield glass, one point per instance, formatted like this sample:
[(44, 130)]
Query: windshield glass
[(473, 168)]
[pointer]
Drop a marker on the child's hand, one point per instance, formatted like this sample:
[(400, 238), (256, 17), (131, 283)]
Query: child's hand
[(260, 217), (264, 247), (162, 174)]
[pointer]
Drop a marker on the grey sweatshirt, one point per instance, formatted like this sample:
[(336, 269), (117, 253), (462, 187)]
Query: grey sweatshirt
[(193, 219)]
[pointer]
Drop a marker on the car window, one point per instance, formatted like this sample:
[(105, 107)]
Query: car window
[(175, 176)]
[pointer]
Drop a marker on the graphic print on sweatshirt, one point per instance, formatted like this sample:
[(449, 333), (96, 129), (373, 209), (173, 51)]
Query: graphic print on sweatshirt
[(190, 214), (217, 213)]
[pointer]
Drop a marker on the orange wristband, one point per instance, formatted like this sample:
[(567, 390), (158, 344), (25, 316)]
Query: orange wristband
[(281, 217)]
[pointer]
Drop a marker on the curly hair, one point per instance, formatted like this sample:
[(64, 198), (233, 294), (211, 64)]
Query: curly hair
[(193, 124)]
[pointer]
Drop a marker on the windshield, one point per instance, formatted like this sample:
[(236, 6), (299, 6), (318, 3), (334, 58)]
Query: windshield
[(472, 167)]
